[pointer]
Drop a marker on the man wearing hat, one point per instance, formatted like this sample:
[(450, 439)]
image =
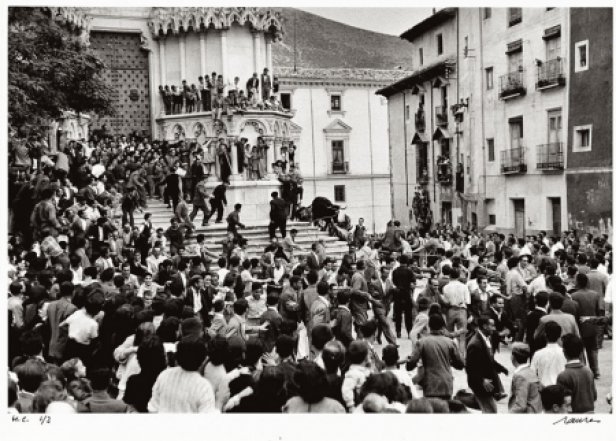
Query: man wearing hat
[(525, 397)]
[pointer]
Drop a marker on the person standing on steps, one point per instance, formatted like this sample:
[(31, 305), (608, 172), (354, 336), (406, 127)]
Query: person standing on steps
[(174, 187), (233, 220), (199, 201), (218, 202), (278, 216)]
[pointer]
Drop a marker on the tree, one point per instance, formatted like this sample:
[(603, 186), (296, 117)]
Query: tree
[(51, 70)]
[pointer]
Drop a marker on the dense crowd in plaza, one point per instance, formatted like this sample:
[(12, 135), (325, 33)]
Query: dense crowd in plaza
[(115, 316)]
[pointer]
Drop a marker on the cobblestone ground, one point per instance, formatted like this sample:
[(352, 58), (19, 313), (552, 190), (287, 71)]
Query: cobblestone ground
[(604, 383)]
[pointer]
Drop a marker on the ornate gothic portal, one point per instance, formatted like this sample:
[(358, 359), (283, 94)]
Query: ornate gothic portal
[(127, 73)]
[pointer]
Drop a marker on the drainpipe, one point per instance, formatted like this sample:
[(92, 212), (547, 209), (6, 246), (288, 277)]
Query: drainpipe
[(391, 174), (371, 161), (483, 122), (406, 159), (454, 169), (314, 160)]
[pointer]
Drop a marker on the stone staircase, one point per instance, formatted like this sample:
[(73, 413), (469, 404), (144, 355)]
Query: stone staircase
[(255, 233)]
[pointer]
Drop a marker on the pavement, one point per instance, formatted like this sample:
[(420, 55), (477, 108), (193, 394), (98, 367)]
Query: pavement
[(603, 384)]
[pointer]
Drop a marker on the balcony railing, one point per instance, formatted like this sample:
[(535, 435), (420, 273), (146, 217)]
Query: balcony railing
[(512, 85), (550, 156), (550, 74), (513, 161), (420, 121), (340, 168), (441, 115)]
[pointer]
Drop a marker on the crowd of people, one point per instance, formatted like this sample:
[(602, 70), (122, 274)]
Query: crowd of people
[(217, 95), (108, 317)]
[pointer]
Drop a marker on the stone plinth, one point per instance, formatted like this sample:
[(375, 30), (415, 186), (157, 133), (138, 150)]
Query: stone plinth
[(254, 197)]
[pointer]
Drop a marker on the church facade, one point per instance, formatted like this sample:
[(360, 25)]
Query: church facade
[(333, 116)]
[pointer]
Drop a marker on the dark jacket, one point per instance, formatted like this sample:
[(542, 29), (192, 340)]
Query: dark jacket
[(343, 329), (532, 321), (480, 365), (220, 193), (270, 335), (579, 380), (278, 209)]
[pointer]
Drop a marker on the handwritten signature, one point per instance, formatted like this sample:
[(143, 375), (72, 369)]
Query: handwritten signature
[(571, 420)]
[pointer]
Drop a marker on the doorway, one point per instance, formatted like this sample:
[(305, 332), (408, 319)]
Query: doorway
[(446, 214), (519, 216), (556, 216)]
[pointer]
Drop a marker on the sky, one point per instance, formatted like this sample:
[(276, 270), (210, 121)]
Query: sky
[(392, 21)]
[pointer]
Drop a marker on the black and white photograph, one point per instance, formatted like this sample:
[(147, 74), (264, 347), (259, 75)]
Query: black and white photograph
[(294, 209)]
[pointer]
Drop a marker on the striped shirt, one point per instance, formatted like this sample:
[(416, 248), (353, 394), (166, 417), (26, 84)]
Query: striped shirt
[(180, 391)]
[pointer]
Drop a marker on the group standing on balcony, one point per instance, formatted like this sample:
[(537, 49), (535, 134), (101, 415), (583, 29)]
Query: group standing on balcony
[(218, 95)]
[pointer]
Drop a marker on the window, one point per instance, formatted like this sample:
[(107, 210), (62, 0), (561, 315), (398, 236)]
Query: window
[(421, 56), (516, 132), (492, 219), (285, 100), (490, 143), (581, 56), (336, 103), (338, 162), (552, 48), (487, 13), (489, 78), (439, 44), (582, 138), (515, 61), (339, 193), (515, 16), (407, 112)]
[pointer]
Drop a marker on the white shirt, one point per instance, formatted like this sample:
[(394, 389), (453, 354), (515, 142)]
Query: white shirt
[(222, 273), (548, 362), (457, 294), (82, 327), (537, 285), (278, 273)]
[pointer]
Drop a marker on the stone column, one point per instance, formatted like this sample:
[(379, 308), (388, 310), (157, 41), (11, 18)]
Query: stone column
[(223, 53), (267, 155), (163, 66), (256, 50), (268, 57), (182, 40), (202, 52), (156, 101), (235, 174)]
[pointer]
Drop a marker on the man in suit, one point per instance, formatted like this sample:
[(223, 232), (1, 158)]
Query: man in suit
[(289, 306), (590, 308), (197, 299), (278, 216), (57, 312), (308, 296), (360, 298), (273, 317), (343, 325), (541, 303), (312, 260), (319, 310), (502, 323), (525, 385), (98, 235), (183, 215), (381, 289), (438, 354), (566, 321), (403, 279), (481, 368)]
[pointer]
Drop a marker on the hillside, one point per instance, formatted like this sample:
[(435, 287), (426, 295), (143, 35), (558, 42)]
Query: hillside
[(324, 43)]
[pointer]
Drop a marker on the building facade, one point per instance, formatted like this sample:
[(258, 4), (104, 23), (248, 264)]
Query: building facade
[(489, 96), (589, 147), (342, 151), (333, 116)]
